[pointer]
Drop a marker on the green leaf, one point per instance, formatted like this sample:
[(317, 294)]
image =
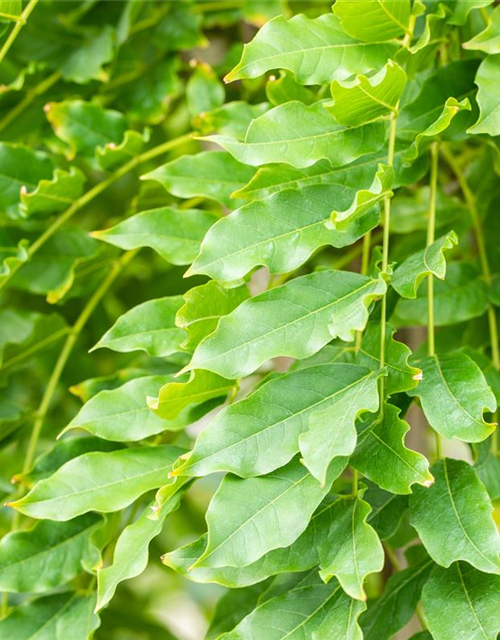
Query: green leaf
[(333, 303), (410, 211), (429, 261), (261, 432), (234, 605), (276, 510), (387, 510), (86, 63), (323, 441), (367, 98), (148, 327), (243, 240), (400, 375), (297, 613), (204, 91), (395, 607), (459, 502), (462, 598), (204, 306), (374, 20), (209, 174), (341, 621), (454, 396), (175, 397), (285, 88), (122, 414), (487, 78), (20, 167), (46, 556), (315, 51), (351, 550), (423, 139), (300, 135), (487, 40), (131, 552), (462, 8), (302, 555), (381, 454), (67, 615), (90, 482), (113, 155), (462, 296), (174, 234), (54, 195)]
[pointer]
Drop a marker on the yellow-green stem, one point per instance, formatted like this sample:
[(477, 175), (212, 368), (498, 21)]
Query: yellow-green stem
[(431, 233), (92, 193), (17, 28), (477, 223)]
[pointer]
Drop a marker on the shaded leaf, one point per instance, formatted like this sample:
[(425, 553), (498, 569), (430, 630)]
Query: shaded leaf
[(487, 40), (487, 78), (204, 91)]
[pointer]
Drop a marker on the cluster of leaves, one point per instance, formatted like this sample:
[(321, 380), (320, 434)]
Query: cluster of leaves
[(334, 200)]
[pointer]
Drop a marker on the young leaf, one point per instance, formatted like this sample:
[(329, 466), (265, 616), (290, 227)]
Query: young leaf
[(175, 397), (331, 432), (381, 454), (204, 91), (131, 552), (389, 613), (374, 20), (243, 240), (67, 615), (46, 556), (112, 155), (315, 51), (351, 550), (428, 261), (462, 8), (458, 501), (148, 327), (122, 414), (333, 303), (454, 396), (209, 174), (400, 375), (52, 196), (487, 77), (174, 234), (276, 510), (261, 432), (299, 135), (464, 599), (89, 482), (367, 98), (422, 140), (204, 306), (286, 88), (487, 40)]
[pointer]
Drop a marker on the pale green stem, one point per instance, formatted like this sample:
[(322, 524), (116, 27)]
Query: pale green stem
[(483, 260), (17, 28), (93, 193), (23, 104), (431, 233)]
